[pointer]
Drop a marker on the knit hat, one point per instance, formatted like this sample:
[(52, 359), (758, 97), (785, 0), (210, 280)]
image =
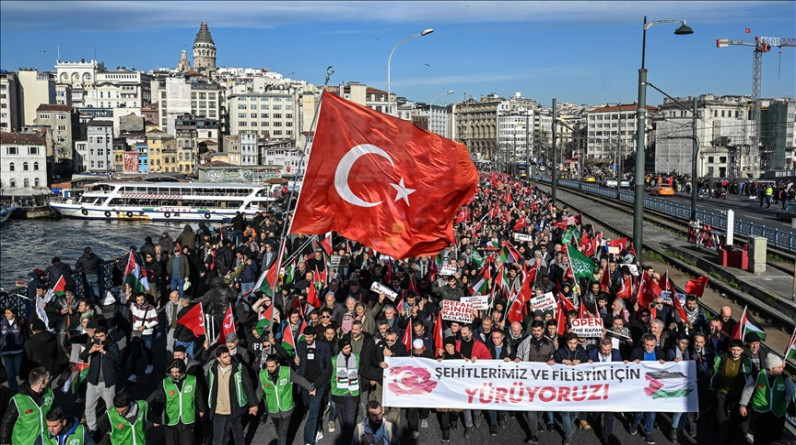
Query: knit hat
[(450, 340), (343, 342), (751, 337), (773, 361), (39, 325)]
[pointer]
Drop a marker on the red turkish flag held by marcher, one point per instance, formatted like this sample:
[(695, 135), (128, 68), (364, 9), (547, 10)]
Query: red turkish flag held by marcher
[(407, 338), (382, 181), (227, 326), (194, 320), (697, 287), (312, 296), (515, 312), (439, 345)]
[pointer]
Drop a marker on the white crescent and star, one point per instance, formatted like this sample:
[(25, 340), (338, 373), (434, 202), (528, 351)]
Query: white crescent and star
[(344, 168), (398, 379)]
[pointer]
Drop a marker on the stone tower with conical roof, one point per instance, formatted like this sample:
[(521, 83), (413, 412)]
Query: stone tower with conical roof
[(204, 49)]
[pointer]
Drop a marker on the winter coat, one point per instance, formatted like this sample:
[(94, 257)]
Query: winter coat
[(219, 296), (88, 263), (187, 237)]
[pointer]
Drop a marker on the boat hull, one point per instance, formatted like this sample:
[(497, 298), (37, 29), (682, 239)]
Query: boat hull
[(134, 213)]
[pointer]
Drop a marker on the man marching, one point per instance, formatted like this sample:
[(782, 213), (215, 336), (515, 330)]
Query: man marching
[(124, 422), (62, 430), (23, 421), (277, 384), (180, 397)]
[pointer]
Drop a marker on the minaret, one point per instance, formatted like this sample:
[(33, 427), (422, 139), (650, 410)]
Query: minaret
[(183, 65), (204, 49)]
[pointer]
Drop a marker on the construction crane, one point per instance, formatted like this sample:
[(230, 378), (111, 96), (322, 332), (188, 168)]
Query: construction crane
[(761, 45)]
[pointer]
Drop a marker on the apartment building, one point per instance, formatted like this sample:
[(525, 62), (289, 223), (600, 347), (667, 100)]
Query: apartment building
[(23, 163)]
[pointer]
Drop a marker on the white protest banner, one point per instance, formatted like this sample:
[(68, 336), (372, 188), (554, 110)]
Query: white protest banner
[(457, 311), (633, 269), (546, 302), (480, 302), (448, 269), (382, 289), (587, 327), (523, 237), (411, 382), (335, 261)]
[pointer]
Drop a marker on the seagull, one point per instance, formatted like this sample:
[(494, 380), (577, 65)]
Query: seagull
[(426, 64), (42, 50)]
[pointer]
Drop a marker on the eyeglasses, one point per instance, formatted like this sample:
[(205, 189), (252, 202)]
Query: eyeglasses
[(325, 316)]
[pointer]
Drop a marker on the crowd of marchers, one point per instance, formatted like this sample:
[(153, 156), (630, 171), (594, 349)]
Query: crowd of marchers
[(312, 340)]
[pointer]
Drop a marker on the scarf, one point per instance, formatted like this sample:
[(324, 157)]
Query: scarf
[(379, 436), (348, 363)]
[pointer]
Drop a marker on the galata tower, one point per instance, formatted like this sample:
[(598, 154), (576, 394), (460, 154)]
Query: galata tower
[(204, 49)]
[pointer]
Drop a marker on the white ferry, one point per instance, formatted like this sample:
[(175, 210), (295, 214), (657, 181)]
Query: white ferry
[(150, 201)]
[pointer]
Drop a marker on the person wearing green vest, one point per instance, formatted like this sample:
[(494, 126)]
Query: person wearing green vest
[(230, 396), (179, 397), (730, 372), (125, 422), (345, 388), (277, 384), (62, 430), (769, 395), (24, 421), (768, 194)]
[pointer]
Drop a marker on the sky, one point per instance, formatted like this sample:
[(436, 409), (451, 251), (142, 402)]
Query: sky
[(578, 52)]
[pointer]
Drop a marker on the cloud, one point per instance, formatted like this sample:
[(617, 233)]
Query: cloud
[(144, 15)]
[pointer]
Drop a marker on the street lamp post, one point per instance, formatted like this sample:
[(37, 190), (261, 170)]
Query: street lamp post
[(425, 32), (641, 120), (437, 97)]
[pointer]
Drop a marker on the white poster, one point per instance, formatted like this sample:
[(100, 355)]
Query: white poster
[(382, 289), (457, 311), (480, 302), (523, 237), (411, 382), (546, 302), (448, 269), (587, 327)]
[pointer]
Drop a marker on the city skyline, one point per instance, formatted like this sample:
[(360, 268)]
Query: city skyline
[(579, 52)]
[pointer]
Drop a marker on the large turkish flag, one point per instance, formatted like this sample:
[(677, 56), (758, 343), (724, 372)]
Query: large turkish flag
[(382, 181)]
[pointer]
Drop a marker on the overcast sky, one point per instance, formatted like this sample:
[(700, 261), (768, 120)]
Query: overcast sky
[(581, 52)]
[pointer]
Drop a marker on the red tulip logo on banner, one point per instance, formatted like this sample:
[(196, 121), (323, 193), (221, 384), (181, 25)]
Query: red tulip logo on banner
[(382, 181)]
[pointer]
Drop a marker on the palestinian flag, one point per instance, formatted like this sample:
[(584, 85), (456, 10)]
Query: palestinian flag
[(264, 320), (319, 278), (56, 291), (748, 324), (582, 266), (78, 371), (791, 352), (508, 254), (482, 286), (135, 275), (267, 281), (288, 341), (492, 245)]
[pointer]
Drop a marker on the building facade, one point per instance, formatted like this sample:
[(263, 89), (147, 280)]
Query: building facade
[(476, 125), (35, 88), (204, 50), (63, 123), (272, 115), (10, 106), (23, 164)]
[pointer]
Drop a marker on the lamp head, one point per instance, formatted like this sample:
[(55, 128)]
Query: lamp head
[(428, 31), (449, 92), (683, 30)]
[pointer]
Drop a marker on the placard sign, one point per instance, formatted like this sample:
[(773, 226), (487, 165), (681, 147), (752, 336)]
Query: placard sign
[(633, 269), (335, 260), (667, 297), (480, 302), (382, 289), (448, 269), (546, 302), (588, 327), (457, 311), (523, 237)]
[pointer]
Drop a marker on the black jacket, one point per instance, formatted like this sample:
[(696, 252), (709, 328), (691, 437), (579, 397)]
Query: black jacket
[(89, 263), (323, 354), (248, 390), (638, 354), (109, 363), (55, 271), (41, 350)]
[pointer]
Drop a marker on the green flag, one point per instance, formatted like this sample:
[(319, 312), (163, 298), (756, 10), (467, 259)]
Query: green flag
[(572, 234), (582, 266), (477, 258)]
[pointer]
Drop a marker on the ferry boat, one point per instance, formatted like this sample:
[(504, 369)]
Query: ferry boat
[(149, 201)]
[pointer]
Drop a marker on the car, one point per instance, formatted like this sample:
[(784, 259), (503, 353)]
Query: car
[(589, 178), (610, 183), (662, 190), (625, 183), (788, 214)]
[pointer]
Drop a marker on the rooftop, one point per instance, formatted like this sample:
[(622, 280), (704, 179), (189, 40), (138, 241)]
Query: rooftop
[(21, 138), (54, 107)]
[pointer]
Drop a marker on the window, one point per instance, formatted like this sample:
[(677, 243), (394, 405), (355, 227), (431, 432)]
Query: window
[(277, 107), (263, 115), (37, 182), (100, 140), (44, 116), (12, 183), (11, 150), (100, 152), (277, 115), (25, 166), (35, 166), (26, 182), (61, 117), (11, 166)]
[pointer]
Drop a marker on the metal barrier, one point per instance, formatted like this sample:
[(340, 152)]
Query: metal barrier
[(776, 238)]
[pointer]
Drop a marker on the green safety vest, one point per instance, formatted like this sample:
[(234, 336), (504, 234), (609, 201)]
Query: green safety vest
[(30, 424), (765, 400), (125, 433), (769, 191), (77, 437), (180, 404), (345, 383), (278, 397), (240, 394)]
